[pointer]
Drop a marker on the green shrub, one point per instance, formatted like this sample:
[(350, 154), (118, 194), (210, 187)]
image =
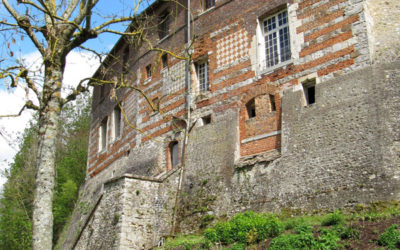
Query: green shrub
[(334, 218), (328, 239), (346, 232), (390, 238), (303, 228), (245, 228), (211, 234), (293, 241), (304, 239)]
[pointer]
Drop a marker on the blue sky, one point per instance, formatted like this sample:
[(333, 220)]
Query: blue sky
[(105, 8)]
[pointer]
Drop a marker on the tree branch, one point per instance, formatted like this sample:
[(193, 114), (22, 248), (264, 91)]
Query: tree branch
[(24, 23), (70, 9), (28, 105), (113, 21), (84, 9)]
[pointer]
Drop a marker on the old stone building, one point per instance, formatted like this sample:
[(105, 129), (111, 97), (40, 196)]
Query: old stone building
[(294, 104)]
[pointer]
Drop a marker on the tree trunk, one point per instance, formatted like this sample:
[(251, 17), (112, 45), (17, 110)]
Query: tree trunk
[(45, 169)]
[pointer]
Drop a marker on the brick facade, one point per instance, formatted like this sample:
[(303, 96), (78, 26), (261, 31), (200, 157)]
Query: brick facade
[(316, 129), (326, 38)]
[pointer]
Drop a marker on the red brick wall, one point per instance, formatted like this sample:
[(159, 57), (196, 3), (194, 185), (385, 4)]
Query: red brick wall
[(226, 35)]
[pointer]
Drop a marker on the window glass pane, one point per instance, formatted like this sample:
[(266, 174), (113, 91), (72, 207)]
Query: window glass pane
[(174, 154), (282, 18), (202, 74), (284, 44), (103, 134), (277, 39), (270, 24), (271, 50), (117, 122)]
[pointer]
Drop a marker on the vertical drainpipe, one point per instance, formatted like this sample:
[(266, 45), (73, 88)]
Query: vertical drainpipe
[(188, 118), (187, 68)]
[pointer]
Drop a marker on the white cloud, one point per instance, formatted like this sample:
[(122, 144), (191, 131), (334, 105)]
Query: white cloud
[(79, 66)]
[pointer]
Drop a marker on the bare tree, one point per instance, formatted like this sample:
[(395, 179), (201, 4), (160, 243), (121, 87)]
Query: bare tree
[(55, 28)]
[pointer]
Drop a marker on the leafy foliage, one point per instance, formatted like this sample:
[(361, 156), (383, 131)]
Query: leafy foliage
[(337, 230), (334, 218), (304, 239), (390, 238), (17, 201), (245, 228)]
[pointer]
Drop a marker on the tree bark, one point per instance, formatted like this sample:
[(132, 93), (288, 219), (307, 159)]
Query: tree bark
[(45, 170)]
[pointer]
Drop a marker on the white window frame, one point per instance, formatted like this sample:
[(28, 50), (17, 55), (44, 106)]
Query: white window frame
[(103, 134), (117, 124), (265, 36), (203, 76)]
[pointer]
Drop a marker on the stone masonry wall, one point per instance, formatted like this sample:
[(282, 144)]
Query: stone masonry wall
[(383, 22), (132, 213), (327, 39), (340, 151)]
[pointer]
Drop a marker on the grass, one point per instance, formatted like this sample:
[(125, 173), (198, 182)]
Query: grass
[(335, 230), (186, 242)]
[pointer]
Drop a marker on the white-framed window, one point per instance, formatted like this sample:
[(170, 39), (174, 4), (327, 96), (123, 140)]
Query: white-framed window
[(202, 72), (103, 134), (116, 122), (275, 30)]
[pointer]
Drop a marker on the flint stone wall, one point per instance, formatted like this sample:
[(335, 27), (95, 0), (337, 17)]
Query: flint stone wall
[(341, 151)]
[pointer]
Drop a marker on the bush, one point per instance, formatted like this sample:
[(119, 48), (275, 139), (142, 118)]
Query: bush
[(293, 241), (245, 228), (347, 232), (328, 239), (303, 228), (335, 218), (390, 238), (304, 239)]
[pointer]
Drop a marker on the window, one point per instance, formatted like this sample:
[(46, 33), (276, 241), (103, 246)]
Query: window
[(103, 134), (206, 119), (272, 102), (116, 122), (164, 59), (251, 108), (208, 4), (202, 76), (173, 155), (125, 58), (148, 71), (163, 27), (277, 40), (309, 91)]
